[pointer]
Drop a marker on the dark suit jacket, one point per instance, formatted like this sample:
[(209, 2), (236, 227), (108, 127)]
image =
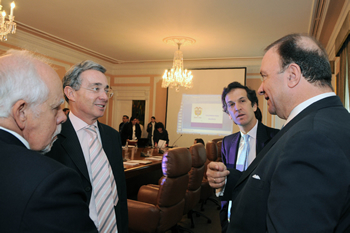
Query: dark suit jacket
[(161, 136), (38, 194), (300, 182), (67, 150), (127, 132), (229, 150), (230, 144)]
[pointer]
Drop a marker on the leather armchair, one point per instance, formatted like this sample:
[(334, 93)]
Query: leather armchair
[(160, 208), (196, 174), (215, 140), (207, 191), (219, 145)]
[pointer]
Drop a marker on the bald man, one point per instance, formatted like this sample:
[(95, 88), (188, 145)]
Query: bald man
[(300, 182)]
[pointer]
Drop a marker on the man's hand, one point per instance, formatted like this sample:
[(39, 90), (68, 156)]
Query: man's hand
[(216, 174)]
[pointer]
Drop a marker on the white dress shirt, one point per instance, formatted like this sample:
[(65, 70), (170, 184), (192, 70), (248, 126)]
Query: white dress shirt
[(84, 137), (306, 104), (252, 144)]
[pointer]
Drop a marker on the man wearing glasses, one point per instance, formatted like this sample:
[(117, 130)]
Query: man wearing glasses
[(92, 148)]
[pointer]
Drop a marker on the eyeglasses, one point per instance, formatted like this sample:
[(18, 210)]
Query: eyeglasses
[(97, 90)]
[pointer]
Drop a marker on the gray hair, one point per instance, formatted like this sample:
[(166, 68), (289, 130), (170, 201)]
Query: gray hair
[(72, 77), (20, 80)]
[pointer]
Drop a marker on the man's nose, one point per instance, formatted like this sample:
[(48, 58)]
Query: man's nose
[(261, 89)]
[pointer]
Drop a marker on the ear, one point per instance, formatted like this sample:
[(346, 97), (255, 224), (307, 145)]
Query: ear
[(70, 93), (294, 75), (255, 107), (20, 113)]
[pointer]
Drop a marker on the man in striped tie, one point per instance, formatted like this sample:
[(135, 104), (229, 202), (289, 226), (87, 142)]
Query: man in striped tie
[(92, 148)]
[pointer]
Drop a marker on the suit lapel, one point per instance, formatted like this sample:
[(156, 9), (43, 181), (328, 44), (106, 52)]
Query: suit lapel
[(262, 137), (234, 149), (107, 144), (324, 103), (72, 146)]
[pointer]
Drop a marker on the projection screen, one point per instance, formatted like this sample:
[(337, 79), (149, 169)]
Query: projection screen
[(197, 112)]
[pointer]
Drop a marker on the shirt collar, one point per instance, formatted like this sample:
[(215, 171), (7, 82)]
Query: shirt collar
[(78, 123), (19, 137), (252, 132), (306, 104)]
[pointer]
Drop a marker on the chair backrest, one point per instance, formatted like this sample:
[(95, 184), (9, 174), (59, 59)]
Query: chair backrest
[(212, 154), (215, 140), (196, 173), (175, 165), (219, 145)]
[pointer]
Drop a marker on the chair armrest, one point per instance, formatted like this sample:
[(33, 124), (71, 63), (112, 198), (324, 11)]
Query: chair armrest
[(143, 217), (148, 194)]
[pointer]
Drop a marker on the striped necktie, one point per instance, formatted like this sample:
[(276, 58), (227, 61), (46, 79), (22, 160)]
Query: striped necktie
[(103, 184)]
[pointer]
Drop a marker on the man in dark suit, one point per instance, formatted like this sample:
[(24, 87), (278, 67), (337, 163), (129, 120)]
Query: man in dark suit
[(150, 130), (300, 181), (241, 104), (84, 140), (37, 193), (125, 121), (131, 131)]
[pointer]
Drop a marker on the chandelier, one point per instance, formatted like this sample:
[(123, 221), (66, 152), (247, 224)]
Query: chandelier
[(7, 26), (178, 77)]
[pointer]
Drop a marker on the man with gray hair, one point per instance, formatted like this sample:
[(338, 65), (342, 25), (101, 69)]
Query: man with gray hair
[(38, 194), (92, 148)]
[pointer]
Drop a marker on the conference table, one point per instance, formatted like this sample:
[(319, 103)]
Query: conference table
[(141, 170)]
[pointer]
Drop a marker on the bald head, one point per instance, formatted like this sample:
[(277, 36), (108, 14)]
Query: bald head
[(308, 54)]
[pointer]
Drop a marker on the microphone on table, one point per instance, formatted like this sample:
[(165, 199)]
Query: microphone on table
[(143, 154), (176, 140)]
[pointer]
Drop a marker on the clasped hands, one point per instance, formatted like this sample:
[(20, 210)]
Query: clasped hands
[(216, 174)]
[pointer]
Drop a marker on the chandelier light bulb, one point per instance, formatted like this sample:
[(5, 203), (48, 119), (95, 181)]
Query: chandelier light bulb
[(8, 26), (178, 77)]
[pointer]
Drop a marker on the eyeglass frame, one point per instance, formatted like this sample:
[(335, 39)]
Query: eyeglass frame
[(109, 92)]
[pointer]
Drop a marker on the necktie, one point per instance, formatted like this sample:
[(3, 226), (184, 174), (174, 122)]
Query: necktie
[(103, 184), (242, 164)]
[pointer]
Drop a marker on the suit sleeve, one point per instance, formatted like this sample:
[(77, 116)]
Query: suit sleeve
[(149, 129), (138, 131), (166, 137), (308, 186), (59, 205)]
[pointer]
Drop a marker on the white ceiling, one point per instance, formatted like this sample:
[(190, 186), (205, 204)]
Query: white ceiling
[(133, 30)]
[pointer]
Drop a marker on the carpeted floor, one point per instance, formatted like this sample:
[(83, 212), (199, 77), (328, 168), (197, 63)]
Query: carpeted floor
[(201, 224)]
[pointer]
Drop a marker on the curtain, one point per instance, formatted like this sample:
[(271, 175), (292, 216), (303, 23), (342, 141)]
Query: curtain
[(342, 79)]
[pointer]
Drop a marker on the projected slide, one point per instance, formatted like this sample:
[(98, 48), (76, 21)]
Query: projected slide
[(202, 114)]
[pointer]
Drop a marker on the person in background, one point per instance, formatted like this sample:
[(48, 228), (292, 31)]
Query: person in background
[(199, 140), (141, 127), (66, 111), (37, 193), (160, 134), (125, 121), (241, 105), (300, 180), (88, 146), (150, 131), (131, 131)]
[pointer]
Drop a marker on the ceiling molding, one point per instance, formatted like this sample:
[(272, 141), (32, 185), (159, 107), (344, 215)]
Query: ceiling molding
[(38, 33)]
